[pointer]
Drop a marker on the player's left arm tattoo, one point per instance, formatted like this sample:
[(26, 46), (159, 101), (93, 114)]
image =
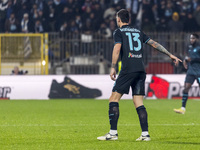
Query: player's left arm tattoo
[(158, 47)]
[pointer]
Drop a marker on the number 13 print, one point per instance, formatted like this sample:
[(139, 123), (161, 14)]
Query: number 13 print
[(134, 37)]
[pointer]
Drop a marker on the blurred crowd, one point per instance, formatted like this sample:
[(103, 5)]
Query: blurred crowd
[(89, 16)]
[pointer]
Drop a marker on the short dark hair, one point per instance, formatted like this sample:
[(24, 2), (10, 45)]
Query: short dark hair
[(123, 14), (195, 35)]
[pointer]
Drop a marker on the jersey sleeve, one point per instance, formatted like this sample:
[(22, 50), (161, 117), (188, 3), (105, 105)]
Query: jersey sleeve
[(145, 38), (117, 36)]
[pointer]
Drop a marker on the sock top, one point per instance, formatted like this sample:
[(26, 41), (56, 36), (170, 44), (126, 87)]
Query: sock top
[(113, 104), (140, 107)]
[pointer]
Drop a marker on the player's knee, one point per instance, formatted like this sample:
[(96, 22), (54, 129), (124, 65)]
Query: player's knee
[(113, 100), (115, 97)]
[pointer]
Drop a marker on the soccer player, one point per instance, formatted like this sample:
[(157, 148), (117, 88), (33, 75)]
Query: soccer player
[(192, 64), (129, 42)]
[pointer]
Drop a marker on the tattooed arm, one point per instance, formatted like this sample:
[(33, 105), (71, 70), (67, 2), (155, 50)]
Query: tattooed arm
[(160, 48)]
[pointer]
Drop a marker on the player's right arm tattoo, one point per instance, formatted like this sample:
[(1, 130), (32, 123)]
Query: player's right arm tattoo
[(158, 47)]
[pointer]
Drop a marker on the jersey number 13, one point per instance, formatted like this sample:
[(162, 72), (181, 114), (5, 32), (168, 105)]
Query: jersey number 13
[(134, 37)]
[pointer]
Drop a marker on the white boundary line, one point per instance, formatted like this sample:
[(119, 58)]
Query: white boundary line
[(196, 99), (63, 125)]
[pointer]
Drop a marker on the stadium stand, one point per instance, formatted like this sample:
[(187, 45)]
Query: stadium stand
[(84, 28), (53, 15)]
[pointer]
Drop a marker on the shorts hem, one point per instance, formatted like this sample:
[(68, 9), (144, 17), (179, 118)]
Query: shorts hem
[(138, 94), (120, 92)]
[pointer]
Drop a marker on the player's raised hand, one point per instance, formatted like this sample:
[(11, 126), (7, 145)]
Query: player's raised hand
[(113, 74), (175, 59)]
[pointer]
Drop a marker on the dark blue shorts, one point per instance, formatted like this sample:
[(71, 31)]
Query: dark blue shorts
[(191, 78), (135, 80)]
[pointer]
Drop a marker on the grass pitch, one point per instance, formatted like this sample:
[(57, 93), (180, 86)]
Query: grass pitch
[(75, 124)]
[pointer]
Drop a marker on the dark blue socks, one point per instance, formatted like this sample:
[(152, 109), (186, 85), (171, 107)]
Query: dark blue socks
[(142, 114), (184, 99), (113, 114)]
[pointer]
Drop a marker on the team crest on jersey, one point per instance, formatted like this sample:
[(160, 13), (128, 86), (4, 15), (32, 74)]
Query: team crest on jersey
[(131, 55)]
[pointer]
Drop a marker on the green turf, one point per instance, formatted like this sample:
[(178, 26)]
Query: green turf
[(75, 124)]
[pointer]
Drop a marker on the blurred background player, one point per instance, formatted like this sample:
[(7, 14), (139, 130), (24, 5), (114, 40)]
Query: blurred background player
[(16, 71), (129, 44), (192, 64)]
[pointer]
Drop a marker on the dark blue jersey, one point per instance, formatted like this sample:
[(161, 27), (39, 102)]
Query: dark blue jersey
[(194, 64), (132, 48)]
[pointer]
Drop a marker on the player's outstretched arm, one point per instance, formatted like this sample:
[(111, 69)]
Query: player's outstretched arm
[(160, 48), (115, 56)]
